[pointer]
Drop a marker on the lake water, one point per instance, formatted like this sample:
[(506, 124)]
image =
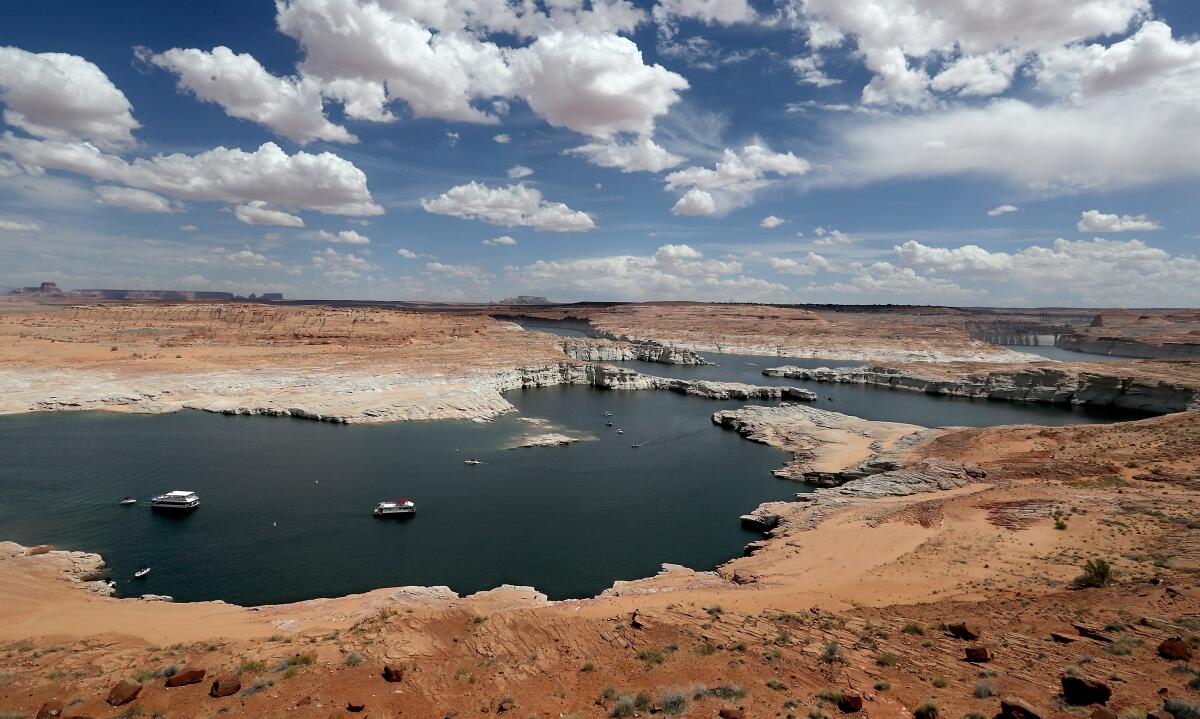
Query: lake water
[(286, 503)]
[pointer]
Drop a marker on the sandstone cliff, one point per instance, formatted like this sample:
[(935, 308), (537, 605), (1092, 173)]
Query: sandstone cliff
[(594, 351), (1030, 384)]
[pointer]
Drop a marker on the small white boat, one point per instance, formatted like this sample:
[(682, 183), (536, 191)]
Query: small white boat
[(608, 414), (635, 445), (141, 572), (620, 431), (128, 501), (400, 507), (180, 500), (472, 461)]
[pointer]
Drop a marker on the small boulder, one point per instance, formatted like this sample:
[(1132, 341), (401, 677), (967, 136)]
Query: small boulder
[(505, 706), (124, 692), (967, 629), (186, 676), (50, 710), (731, 713), (850, 702), (1175, 649), (225, 685), (978, 654), (393, 673), (1080, 691), (1017, 708), (1102, 713), (355, 705)]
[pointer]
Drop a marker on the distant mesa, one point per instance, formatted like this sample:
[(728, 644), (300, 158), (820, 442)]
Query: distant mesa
[(50, 289), (525, 300)]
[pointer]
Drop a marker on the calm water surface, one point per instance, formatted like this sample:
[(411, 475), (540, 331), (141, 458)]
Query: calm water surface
[(286, 503)]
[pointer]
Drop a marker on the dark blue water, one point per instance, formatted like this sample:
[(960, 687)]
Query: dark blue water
[(568, 520), (286, 503)]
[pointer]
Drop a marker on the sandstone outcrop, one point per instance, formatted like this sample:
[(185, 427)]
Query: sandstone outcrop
[(549, 439), (186, 676), (1034, 383), (124, 692), (83, 569), (601, 351), (225, 685)]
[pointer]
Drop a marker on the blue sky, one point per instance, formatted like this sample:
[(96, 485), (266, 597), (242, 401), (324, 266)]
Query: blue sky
[(909, 151)]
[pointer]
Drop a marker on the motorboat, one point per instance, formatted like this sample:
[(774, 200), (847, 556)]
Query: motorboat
[(128, 501), (472, 461), (178, 500), (608, 414), (620, 431), (399, 507), (635, 445), (141, 572), (608, 424)]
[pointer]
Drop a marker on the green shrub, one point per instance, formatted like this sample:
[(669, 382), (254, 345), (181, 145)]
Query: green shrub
[(882, 685), (776, 685), (887, 659), (251, 665), (652, 656), (1096, 573), (353, 659), (258, 685), (728, 691), (985, 688), (913, 628)]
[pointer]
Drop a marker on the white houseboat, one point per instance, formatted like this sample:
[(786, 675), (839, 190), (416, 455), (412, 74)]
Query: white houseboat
[(400, 507), (181, 500)]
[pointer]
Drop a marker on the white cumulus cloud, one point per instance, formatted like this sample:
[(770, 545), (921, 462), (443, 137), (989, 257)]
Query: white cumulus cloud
[(502, 240), (63, 97), (257, 212), (136, 200), (1001, 210), (511, 206), (1096, 221), (344, 237), (640, 155), (732, 182), (771, 222)]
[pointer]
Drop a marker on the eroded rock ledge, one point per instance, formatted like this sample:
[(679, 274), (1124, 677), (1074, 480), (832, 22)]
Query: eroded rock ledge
[(601, 351), (333, 395), (1061, 385)]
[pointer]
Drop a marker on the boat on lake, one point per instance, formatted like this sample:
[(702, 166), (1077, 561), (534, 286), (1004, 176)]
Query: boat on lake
[(400, 507), (141, 572), (620, 431), (472, 461), (608, 414), (128, 501), (635, 445), (178, 500)]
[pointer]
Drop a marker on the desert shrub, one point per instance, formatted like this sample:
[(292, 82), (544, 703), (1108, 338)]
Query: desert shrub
[(251, 665), (353, 659), (882, 685), (673, 702), (776, 685), (939, 682), (1096, 573), (1181, 709), (623, 707), (832, 654), (913, 628), (1122, 647), (652, 656), (830, 695), (728, 691), (586, 667), (295, 660), (887, 659), (985, 688), (258, 685), (926, 710)]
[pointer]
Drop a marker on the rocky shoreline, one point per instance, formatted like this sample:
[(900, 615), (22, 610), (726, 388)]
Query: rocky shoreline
[(332, 395), (1058, 385), (600, 351)]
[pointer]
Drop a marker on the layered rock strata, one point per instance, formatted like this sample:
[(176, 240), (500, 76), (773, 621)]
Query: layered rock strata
[(1027, 384), (593, 351)]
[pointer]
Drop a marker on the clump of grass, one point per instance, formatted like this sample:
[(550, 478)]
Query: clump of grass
[(706, 649), (939, 682), (1096, 573), (1122, 647), (586, 667), (699, 691), (832, 654), (887, 659), (926, 710), (258, 685), (252, 665), (985, 688), (296, 660), (652, 656), (715, 611), (1060, 524), (353, 659), (728, 691), (673, 702), (882, 685), (776, 685), (913, 628), (830, 695)]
